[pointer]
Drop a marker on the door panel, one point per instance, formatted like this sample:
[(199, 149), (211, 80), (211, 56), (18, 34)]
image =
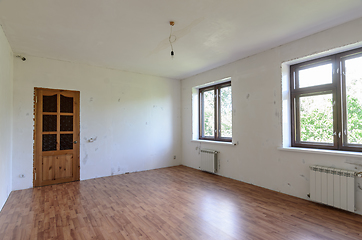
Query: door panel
[(63, 166), (58, 167), (48, 169), (56, 134)]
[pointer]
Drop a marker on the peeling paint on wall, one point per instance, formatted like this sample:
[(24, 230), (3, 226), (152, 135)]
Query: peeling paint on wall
[(354, 162), (276, 113), (85, 159), (304, 177)]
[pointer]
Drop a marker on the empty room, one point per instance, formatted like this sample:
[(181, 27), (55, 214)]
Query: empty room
[(193, 119)]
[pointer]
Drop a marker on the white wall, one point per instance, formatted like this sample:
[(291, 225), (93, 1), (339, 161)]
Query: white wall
[(257, 118), (6, 103), (135, 118)]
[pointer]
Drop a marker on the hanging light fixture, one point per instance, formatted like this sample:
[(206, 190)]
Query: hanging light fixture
[(172, 38)]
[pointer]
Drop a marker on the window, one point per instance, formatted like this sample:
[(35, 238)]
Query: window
[(326, 102), (215, 112)]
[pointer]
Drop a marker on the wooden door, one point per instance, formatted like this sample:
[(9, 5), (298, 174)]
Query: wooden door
[(56, 136)]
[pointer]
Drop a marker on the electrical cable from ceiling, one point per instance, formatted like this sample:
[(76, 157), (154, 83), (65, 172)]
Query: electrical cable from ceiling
[(172, 39)]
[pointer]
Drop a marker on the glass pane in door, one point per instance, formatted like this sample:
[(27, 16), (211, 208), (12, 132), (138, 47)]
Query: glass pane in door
[(66, 141), (66, 123), (49, 142), (66, 104), (50, 103), (49, 123)]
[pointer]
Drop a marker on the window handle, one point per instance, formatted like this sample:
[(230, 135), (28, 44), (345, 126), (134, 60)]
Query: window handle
[(339, 134), (345, 132)]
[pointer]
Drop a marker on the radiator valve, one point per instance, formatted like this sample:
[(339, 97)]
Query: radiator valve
[(359, 174)]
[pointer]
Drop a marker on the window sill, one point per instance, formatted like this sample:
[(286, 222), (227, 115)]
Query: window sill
[(215, 142), (321, 151)]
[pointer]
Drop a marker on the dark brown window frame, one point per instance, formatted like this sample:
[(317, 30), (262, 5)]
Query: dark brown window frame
[(217, 113), (338, 90)]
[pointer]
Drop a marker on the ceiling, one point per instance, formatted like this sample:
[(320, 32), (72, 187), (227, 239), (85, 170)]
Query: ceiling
[(132, 35)]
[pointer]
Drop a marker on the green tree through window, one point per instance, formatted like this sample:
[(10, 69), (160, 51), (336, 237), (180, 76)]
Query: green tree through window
[(326, 98), (216, 112)]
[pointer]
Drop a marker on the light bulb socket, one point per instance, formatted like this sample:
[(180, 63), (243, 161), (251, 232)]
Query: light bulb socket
[(21, 57)]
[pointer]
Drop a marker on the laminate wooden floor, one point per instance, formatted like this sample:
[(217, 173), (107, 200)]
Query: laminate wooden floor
[(169, 203)]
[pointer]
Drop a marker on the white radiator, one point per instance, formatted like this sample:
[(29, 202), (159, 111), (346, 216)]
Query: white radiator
[(332, 186), (209, 160)]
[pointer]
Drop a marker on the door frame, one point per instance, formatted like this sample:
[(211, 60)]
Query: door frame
[(37, 136)]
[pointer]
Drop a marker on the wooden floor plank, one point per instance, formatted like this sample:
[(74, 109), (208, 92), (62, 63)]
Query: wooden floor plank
[(170, 203)]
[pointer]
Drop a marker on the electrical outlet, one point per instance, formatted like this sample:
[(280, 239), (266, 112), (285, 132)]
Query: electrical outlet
[(174, 157)]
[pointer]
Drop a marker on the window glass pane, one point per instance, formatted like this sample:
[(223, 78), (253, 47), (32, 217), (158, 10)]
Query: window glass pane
[(315, 76), (316, 118), (209, 113), (353, 76), (226, 112)]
